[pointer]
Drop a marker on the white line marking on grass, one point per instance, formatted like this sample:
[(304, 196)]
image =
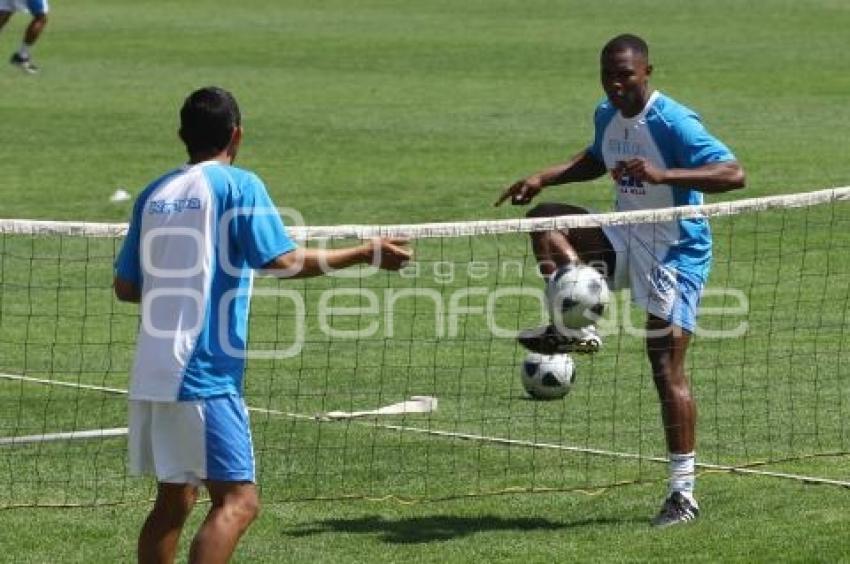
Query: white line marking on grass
[(455, 435), (615, 454), (62, 383), (72, 435)]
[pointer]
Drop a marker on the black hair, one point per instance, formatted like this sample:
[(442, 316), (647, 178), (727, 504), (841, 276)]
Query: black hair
[(626, 42), (207, 120)]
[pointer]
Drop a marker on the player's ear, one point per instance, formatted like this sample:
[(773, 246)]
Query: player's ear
[(648, 69), (235, 141)]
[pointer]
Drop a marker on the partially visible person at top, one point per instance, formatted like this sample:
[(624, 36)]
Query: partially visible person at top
[(658, 154), (196, 236), (38, 9)]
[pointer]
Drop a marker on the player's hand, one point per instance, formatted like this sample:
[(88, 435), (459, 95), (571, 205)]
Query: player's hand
[(521, 192), (639, 169), (390, 254), (618, 171)]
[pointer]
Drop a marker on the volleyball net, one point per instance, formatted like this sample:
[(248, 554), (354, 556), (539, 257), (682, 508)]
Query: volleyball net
[(375, 384)]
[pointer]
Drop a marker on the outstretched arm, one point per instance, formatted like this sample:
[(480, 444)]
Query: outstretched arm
[(712, 178), (388, 254), (581, 167)]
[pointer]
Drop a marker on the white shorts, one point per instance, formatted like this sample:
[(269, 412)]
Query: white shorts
[(187, 442), (659, 289), (35, 7)]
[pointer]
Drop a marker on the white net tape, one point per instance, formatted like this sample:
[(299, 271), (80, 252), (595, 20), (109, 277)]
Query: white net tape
[(469, 228), (770, 367)]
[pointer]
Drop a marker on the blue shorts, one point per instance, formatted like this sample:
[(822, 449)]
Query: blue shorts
[(674, 296), (659, 288), (35, 7), (187, 442)]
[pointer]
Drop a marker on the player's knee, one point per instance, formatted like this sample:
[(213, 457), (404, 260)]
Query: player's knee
[(245, 508), (174, 510), (553, 209), (248, 512), (671, 384), (549, 239), (679, 394), (540, 210)]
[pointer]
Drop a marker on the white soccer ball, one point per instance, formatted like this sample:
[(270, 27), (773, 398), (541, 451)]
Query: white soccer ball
[(547, 376), (577, 296)]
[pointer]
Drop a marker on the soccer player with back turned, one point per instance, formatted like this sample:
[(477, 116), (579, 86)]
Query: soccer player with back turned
[(659, 155), (195, 238)]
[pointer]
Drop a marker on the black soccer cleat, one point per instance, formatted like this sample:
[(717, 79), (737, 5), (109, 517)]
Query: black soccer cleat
[(548, 340), (676, 509), (23, 63)]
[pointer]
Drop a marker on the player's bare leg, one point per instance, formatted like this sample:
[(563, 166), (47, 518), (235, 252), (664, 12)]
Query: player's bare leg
[(161, 531), (21, 58), (4, 17), (666, 346), (554, 250), (235, 505), (34, 29)]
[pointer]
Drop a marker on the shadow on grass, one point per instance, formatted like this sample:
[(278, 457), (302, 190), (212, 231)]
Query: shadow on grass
[(430, 529)]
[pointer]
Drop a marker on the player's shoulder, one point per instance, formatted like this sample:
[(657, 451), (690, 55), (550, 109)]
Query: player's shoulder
[(604, 106), (233, 174), (671, 112), (157, 183), (604, 112), (231, 179)]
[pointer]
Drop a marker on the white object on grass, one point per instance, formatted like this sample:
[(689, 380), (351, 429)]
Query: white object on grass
[(120, 195), (416, 404)]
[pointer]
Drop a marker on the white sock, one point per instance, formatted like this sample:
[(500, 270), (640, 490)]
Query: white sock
[(24, 51), (682, 477)]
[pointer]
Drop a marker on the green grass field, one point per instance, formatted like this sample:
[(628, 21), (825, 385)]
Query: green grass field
[(396, 112)]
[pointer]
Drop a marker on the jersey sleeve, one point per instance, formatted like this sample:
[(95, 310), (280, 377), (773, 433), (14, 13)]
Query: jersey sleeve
[(128, 266), (695, 146), (260, 230), (595, 148), (601, 118)]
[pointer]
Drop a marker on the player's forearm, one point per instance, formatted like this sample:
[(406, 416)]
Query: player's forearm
[(305, 263), (580, 168), (711, 179)]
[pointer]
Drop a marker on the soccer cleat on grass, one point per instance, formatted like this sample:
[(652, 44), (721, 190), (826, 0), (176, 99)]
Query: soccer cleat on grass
[(676, 509), (25, 64), (549, 340)]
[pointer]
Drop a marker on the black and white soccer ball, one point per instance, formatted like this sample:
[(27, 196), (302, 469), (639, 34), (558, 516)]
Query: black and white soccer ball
[(577, 296), (547, 376)]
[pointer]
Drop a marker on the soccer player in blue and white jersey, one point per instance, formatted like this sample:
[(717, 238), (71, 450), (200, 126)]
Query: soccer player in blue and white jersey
[(196, 237), (659, 155), (38, 9)]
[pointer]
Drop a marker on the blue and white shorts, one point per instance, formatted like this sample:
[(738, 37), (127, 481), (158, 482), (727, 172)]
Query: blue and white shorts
[(35, 7), (660, 289), (187, 442)]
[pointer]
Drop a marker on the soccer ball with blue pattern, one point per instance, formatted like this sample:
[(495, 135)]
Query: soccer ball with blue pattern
[(547, 376), (577, 296)]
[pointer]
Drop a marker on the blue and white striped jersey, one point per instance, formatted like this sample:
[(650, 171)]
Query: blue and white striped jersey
[(668, 135), (195, 238)]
